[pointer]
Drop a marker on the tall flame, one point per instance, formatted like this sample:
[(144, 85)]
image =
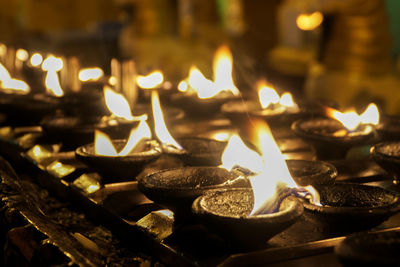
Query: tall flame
[(52, 65), (222, 67), (351, 120), (104, 146), (160, 128), (10, 84), (117, 104), (151, 80), (90, 74)]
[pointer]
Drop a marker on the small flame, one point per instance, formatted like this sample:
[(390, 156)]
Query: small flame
[(36, 60), (112, 81), (314, 195), (52, 65), (351, 120), (204, 87), (105, 147), (266, 95), (287, 100), (117, 104), (183, 86), (309, 22), (151, 80), (222, 67), (22, 54), (11, 84), (160, 128), (103, 144), (90, 74)]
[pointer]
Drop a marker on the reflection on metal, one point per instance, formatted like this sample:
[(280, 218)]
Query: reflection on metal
[(89, 183), (158, 223), (59, 169)]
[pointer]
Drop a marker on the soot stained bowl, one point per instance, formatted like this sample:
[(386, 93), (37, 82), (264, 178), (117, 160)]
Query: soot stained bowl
[(322, 134), (351, 207), (387, 155), (176, 189), (118, 168), (227, 212), (307, 172)]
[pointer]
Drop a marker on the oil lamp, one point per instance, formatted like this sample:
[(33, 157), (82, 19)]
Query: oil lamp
[(333, 137), (200, 96), (387, 155), (272, 107)]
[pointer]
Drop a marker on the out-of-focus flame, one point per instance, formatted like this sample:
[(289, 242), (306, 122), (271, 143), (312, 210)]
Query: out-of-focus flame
[(309, 22), (90, 74), (36, 60), (151, 80), (222, 67), (3, 50), (266, 95), (351, 120), (52, 65), (104, 146), (183, 86), (204, 87), (117, 104), (160, 128), (22, 54), (12, 85)]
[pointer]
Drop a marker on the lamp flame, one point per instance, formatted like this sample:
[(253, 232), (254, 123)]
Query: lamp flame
[(10, 84), (204, 87), (22, 54), (351, 120), (117, 104), (52, 65), (309, 22), (222, 67), (90, 74), (151, 80), (105, 147), (267, 96), (36, 60), (160, 128)]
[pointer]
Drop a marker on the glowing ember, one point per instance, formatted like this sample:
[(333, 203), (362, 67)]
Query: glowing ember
[(151, 80), (119, 106), (90, 74), (271, 174), (309, 22), (351, 120), (22, 54), (36, 60), (160, 128), (268, 96), (197, 83), (12, 85), (104, 146), (52, 65)]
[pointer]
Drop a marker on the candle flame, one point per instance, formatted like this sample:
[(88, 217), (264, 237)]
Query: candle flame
[(151, 80), (160, 128), (90, 74), (36, 60), (52, 65), (12, 85), (22, 54), (267, 96), (351, 120), (104, 146), (204, 87), (309, 22), (117, 104)]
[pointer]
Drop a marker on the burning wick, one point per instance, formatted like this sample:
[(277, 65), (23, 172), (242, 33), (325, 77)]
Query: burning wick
[(135, 143), (270, 99), (90, 74), (270, 178), (161, 131), (150, 81), (12, 85), (351, 120)]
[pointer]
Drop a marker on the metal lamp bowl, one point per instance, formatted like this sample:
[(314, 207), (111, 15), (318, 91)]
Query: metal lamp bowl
[(226, 211), (387, 155), (123, 168), (307, 172), (351, 207)]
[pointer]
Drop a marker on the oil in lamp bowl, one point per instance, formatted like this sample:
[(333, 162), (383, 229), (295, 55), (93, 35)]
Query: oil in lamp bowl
[(370, 249), (176, 189), (200, 151), (321, 134), (227, 212), (118, 168), (238, 111), (387, 155), (197, 107), (351, 207), (307, 172)]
